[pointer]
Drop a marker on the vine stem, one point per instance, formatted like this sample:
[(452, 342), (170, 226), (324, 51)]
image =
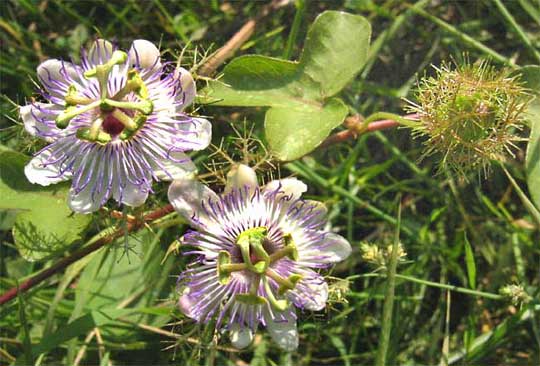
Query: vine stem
[(462, 290), (356, 126), (238, 39), (82, 252)]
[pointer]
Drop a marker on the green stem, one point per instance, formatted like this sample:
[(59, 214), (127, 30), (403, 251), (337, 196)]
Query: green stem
[(516, 28), (462, 290), (300, 10), (386, 115), (388, 306), (522, 196), (297, 168), (464, 37)]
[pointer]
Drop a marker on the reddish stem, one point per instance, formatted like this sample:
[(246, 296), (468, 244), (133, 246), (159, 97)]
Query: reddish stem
[(82, 252), (354, 124)]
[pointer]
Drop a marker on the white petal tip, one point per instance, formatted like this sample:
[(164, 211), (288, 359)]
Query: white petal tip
[(240, 337), (240, 176)]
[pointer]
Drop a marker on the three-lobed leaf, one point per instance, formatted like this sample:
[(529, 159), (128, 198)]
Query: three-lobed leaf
[(302, 112), (336, 49)]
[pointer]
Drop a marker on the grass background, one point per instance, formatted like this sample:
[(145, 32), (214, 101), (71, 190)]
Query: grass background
[(351, 178)]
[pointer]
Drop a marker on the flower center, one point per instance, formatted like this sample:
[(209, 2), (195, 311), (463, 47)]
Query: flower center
[(112, 125), (257, 254), (117, 118)]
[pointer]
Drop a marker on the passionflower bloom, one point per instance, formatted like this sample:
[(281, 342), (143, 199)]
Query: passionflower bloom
[(115, 123), (257, 248)]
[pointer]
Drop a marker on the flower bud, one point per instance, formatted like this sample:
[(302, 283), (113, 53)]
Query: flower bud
[(470, 114)]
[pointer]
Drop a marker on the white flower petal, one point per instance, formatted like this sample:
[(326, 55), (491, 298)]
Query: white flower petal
[(240, 337), (38, 119), (55, 71), (99, 188), (189, 90), (319, 207), (187, 304), (240, 176), (144, 54), (100, 52), (197, 134), (284, 333), (44, 175), (332, 249), (311, 293), (187, 196), (289, 187), (134, 195), (177, 167), (85, 201)]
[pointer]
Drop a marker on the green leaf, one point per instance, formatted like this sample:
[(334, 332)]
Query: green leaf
[(82, 325), (336, 49), (44, 224), (469, 261), (114, 275), (531, 75), (313, 124), (301, 115)]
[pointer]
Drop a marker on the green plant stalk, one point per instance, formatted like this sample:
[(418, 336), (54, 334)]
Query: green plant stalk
[(516, 28), (465, 38), (388, 34), (522, 196), (295, 167), (462, 290), (27, 345), (388, 306), (298, 16)]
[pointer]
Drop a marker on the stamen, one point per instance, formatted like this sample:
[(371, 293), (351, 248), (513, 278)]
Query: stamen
[(73, 98), (101, 72), (124, 119), (225, 267), (289, 250), (94, 133), (250, 299), (139, 120), (279, 305), (253, 238), (285, 284), (134, 84), (62, 120), (144, 106)]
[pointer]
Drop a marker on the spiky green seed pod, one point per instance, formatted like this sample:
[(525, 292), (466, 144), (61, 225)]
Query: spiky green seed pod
[(471, 115)]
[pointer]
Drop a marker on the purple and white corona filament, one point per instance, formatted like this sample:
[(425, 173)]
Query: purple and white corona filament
[(115, 123), (257, 248)]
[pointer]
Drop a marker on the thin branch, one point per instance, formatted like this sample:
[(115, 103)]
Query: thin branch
[(238, 39), (82, 252)]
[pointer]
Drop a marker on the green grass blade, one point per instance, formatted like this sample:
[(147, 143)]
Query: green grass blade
[(388, 307)]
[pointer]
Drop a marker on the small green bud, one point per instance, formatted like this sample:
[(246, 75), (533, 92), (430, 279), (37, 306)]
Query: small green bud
[(516, 294)]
